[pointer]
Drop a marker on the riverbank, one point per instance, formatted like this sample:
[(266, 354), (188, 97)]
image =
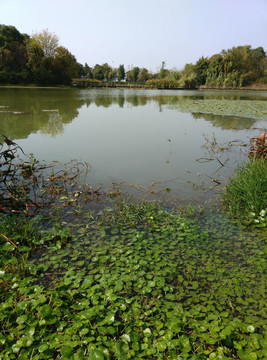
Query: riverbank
[(157, 84), (253, 87)]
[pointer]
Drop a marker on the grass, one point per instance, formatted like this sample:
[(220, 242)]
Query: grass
[(246, 192)]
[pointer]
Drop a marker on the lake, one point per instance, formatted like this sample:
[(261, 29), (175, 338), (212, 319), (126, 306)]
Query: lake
[(167, 139), (134, 279)]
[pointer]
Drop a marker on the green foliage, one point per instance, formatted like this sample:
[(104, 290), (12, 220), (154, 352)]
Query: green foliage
[(162, 84), (129, 280), (138, 282), (38, 59), (246, 194), (132, 75), (121, 73)]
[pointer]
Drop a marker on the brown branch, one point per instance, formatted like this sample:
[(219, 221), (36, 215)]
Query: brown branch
[(11, 242)]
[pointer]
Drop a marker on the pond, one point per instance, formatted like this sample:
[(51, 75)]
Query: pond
[(161, 138), (134, 280)]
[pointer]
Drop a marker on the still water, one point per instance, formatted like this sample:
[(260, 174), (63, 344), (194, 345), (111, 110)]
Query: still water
[(139, 137)]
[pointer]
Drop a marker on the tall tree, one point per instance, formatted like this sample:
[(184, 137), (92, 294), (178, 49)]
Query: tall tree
[(65, 66), (121, 73), (13, 55), (98, 72), (201, 69), (87, 71), (49, 42), (143, 75), (132, 75)]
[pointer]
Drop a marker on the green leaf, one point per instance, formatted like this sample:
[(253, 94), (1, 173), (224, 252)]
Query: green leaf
[(29, 331), (21, 319), (45, 311), (16, 348), (43, 347), (161, 346), (7, 247), (96, 355), (66, 351)]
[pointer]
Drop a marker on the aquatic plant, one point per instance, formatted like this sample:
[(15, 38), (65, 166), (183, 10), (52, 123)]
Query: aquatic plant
[(253, 109), (128, 280), (138, 282)]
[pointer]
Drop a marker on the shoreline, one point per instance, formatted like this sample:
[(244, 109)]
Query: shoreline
[(101, 84)]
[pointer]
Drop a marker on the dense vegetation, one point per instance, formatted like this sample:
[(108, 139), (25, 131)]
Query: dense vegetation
[(40, 60), (125, 281), (37, 59)]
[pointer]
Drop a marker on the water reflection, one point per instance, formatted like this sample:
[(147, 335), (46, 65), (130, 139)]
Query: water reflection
[(226, 122), (26, 111), (132, 136)]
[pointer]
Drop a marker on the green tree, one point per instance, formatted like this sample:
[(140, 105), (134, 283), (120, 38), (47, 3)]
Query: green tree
[(87, 71), (132, 75), (9, 35), (163, 73), (143, 75), (201, 70), (13, 55), (107, 71), (98, 72), (121, 73), (38, 66), (188, 77), (65, 66)]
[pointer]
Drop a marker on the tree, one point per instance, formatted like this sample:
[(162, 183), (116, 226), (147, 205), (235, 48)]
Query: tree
[(9, 35), (13, 55), (49, 42), (38, 68), (87, 71), (132, 75), (163, 72), (98, 72), (107, 71), (121, 73), (143, 75), (65, 66), (201, 69)]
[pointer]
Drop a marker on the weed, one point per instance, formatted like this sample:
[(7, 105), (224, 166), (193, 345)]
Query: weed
[(246, 191)]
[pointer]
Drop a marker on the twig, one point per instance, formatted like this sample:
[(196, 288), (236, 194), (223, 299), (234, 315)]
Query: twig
[(11, 242)]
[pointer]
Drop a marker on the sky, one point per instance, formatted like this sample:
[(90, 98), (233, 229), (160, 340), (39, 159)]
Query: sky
[(142, 33)]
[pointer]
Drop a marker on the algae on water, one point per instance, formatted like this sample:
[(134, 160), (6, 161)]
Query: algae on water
[(254, 109)]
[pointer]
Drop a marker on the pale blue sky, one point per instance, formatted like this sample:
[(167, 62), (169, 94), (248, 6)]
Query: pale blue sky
[(142, 32)]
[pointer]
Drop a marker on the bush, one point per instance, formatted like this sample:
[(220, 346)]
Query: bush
[(246, 193)]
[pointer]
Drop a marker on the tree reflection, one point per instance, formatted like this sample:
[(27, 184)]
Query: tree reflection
[(33, 110), (26, 111), (226, 122)]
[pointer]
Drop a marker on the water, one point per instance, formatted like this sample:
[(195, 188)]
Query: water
[(133, 136), (200, 284)]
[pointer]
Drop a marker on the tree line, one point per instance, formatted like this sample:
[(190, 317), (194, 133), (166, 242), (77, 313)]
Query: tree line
[(39, 59)]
